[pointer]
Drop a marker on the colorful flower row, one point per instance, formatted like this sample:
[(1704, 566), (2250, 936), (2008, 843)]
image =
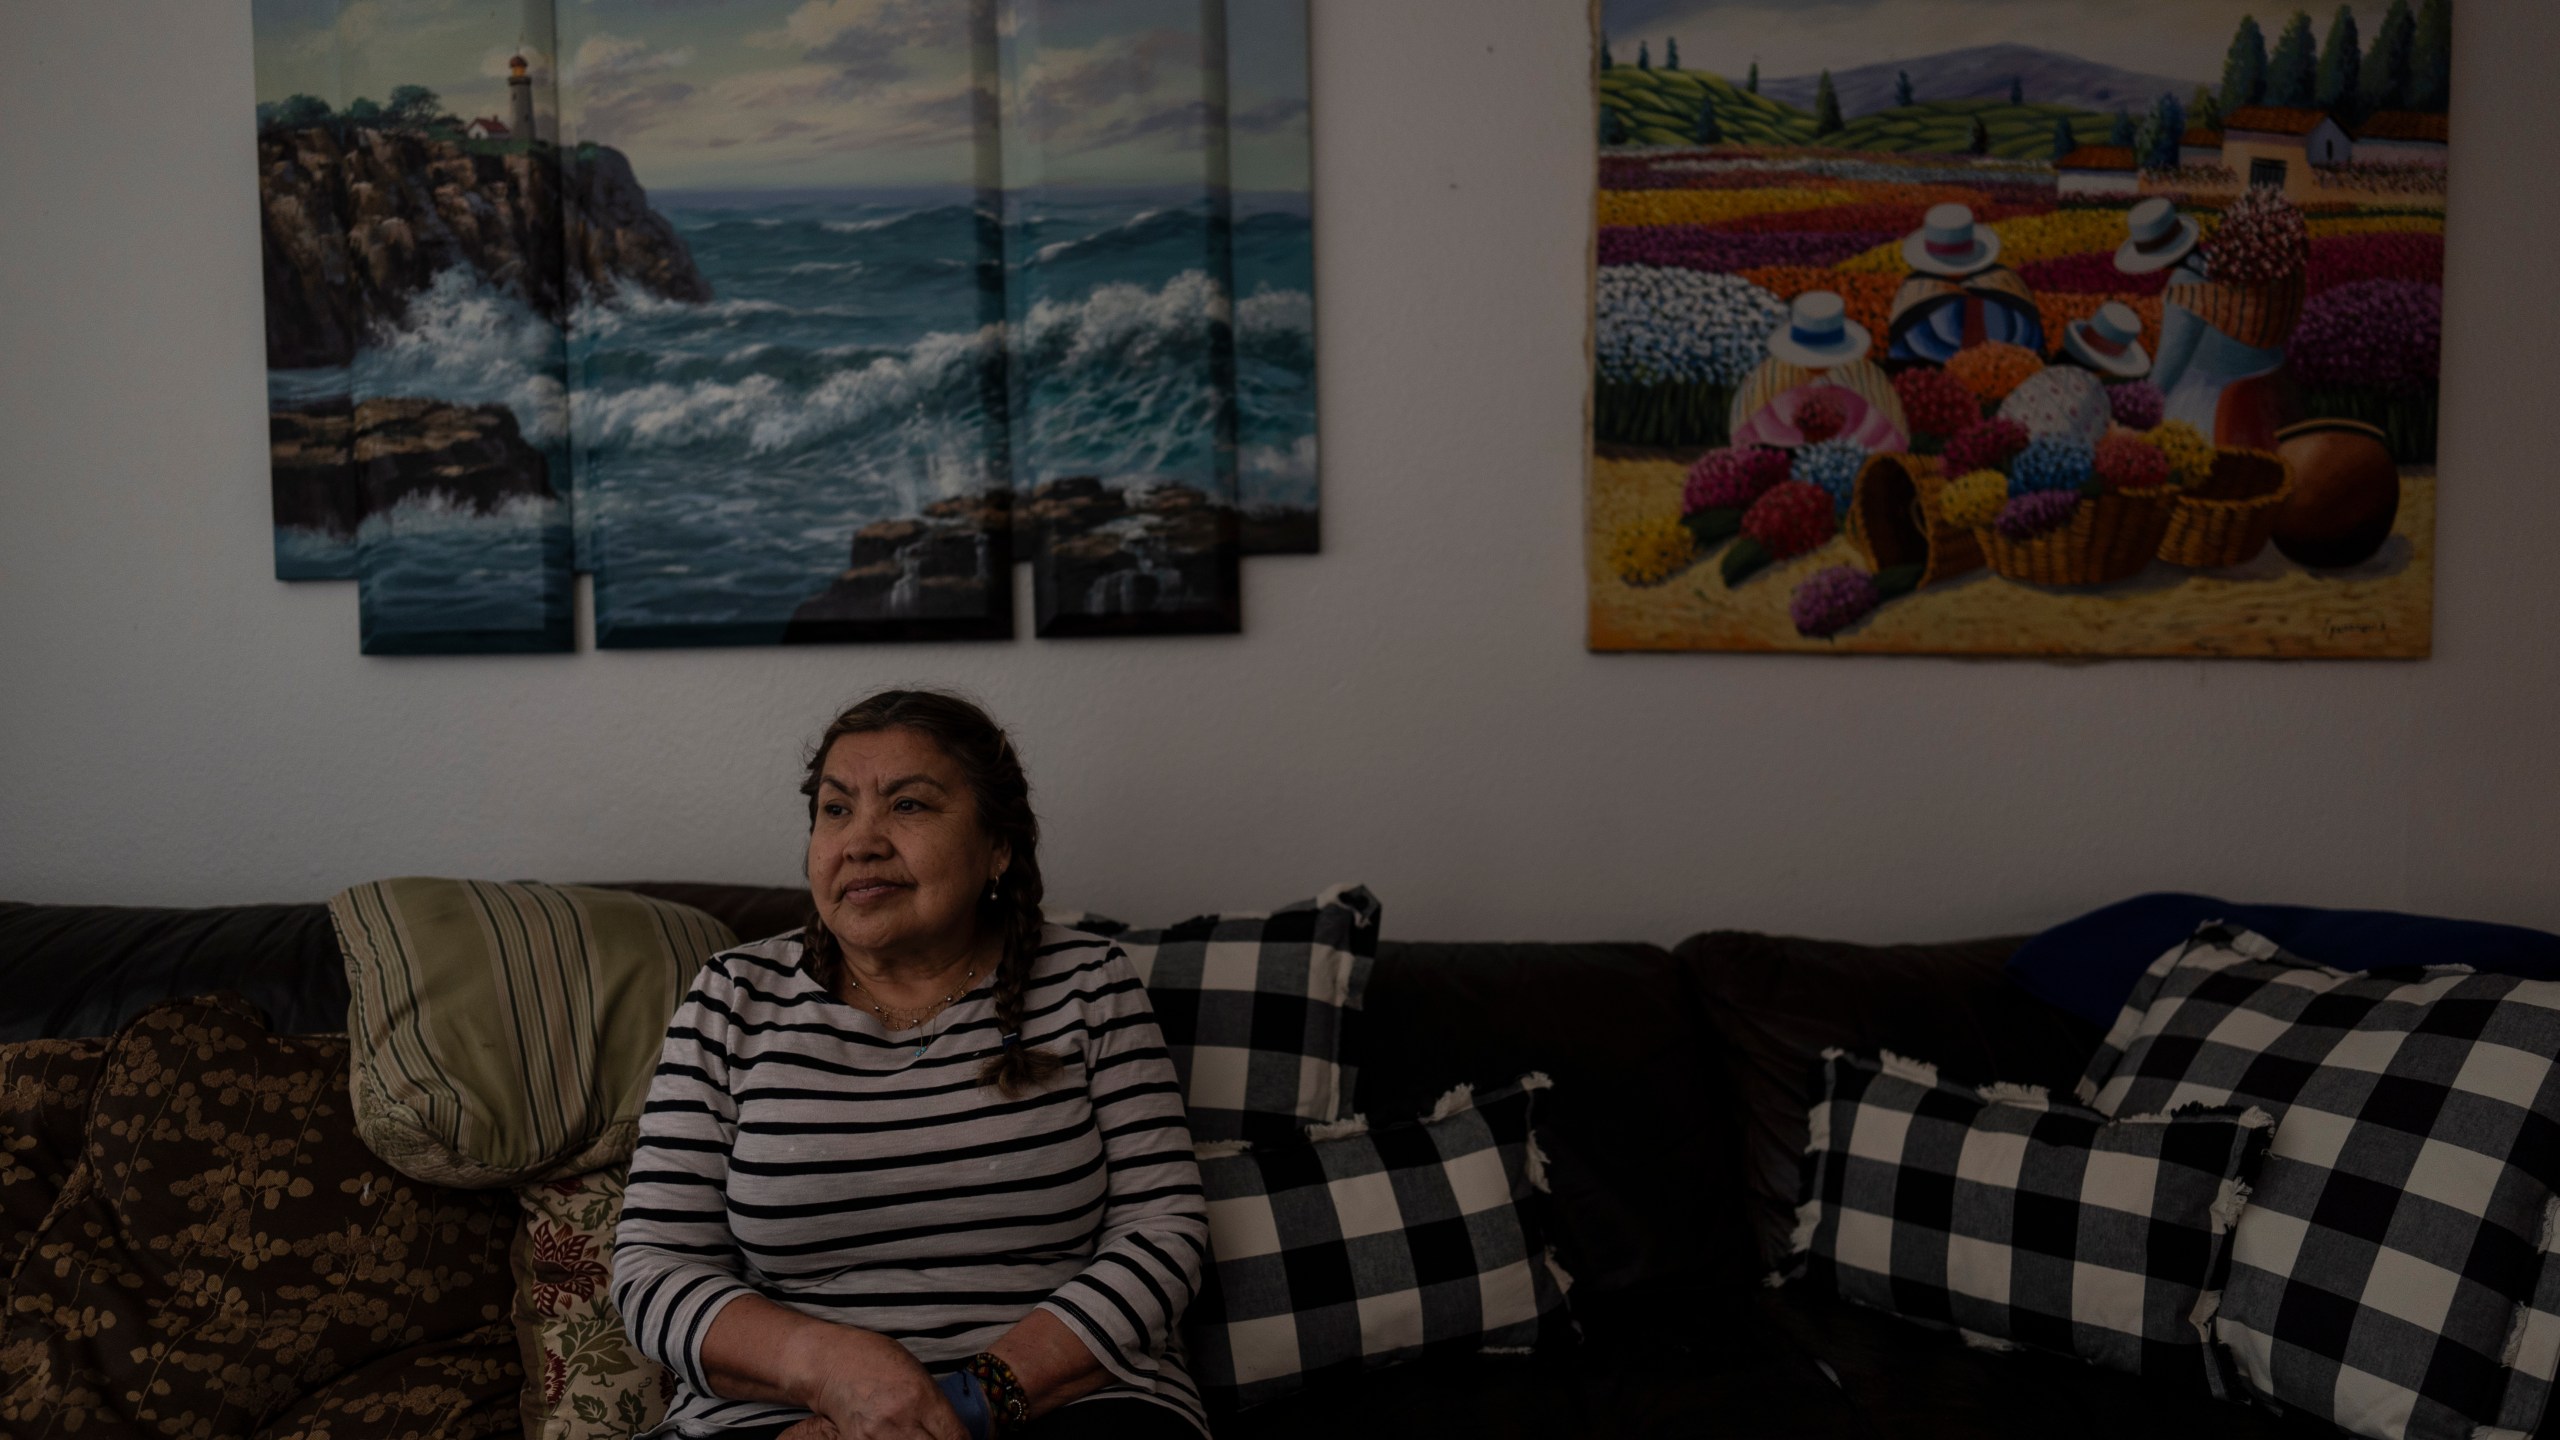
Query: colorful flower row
[(1660, 324), (2385, 335), (2321, 225), (1696, 247), (2374, 178), (1708, 207), (1891, 219), (2345, 259)]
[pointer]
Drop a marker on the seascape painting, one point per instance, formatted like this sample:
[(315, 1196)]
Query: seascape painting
[(1992, 327), (789, 320), (417, 276)]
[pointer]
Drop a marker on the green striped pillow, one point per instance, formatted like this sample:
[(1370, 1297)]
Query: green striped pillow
[(506, 1033)]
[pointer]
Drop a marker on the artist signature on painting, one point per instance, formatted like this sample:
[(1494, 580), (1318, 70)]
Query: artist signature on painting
[(2349, 629)]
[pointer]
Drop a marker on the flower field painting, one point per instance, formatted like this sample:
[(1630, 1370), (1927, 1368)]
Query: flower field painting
[(2017, 327)]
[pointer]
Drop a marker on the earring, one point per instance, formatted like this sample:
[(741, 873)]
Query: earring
[(992, 883)]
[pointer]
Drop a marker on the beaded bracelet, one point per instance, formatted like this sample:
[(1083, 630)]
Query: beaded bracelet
[(1010, 1408)]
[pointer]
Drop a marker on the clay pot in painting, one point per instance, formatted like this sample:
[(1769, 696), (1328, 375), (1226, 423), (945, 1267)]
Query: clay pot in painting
[(2346, 493)]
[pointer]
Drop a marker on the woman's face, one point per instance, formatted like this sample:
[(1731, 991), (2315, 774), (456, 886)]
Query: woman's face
[(897, 859)]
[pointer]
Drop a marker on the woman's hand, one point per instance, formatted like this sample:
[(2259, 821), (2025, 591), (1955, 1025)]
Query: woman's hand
[(864, 1387)]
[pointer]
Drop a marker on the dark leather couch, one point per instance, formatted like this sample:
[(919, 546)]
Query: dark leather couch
[(1672, 1134)]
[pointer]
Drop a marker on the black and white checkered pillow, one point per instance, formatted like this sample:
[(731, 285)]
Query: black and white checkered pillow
[(1257, 1009), (2393, 1271), (2017, 1220), (1359, 1247)]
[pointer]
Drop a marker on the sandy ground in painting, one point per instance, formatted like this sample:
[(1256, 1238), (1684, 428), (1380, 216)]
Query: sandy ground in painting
[(2268, 607)]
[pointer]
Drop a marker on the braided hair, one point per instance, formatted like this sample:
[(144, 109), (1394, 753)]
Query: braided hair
[(970, 739)]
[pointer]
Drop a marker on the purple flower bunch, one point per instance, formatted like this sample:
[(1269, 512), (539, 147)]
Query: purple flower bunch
[(1697, 247), (2052, 464), (2137, 404), (1732, 479), (2385, 335), (1832, 467), (2027, 516), (1986, 445), (1833, 600)]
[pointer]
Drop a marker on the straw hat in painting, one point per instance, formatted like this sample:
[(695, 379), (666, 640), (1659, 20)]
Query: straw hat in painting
[(1819, 333), (2158, 237), (1949, 243), (2109, 342)]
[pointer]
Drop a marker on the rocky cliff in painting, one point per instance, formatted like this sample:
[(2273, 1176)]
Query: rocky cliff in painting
[(333, 466), (356, 221), (1105, 552)]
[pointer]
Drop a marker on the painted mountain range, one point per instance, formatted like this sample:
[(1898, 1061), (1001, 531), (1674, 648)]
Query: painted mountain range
[(1984, 72)]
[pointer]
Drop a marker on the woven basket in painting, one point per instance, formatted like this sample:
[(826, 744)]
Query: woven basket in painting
[(1895, 518), (2228, 519), (2109, 538), (2262, 316)]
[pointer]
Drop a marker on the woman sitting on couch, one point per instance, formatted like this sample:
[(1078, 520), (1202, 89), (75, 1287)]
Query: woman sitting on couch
[(922, 1169)]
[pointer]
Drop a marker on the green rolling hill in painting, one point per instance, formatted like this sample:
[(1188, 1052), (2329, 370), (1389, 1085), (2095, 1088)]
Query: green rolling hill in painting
[(1661, 107), (2017, 131)]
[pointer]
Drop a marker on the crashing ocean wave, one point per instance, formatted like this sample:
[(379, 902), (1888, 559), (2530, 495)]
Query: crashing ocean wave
[(463, 342)]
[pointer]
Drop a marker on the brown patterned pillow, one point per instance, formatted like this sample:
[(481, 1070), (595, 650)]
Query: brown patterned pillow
[(458, 1389), (582, 1379), (226, 1247), (44, 1106)]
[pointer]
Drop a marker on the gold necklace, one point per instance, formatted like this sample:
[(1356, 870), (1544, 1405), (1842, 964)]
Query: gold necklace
[(909, 1019)]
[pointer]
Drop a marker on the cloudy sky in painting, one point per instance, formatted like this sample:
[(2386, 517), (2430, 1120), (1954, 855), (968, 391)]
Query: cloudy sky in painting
[(734, 94), (1794, 37)]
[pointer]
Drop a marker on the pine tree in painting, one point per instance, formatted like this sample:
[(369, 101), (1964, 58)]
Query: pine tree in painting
[(1978, 142), (2064, 142), (1707, 131), (1644, 55), (2203, 111), (2120, 130), (1826, 107), (1902, 87), (1753, 84), (2244, 70), (2431, 57), (2341, 84), (2386, 65), (2017, 90), (1607, 60), (2293, 72), (2157, 146), (1613, 127), (1671, 53)]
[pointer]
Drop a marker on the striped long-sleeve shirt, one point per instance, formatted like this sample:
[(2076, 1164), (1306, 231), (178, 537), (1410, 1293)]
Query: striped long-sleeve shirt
[(793, 1148)]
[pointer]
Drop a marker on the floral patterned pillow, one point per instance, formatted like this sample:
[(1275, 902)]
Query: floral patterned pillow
[(225, 1251), (44, 1105), (583, 1381)]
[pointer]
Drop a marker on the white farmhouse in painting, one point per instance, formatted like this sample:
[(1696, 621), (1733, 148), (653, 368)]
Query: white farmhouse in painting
[(2277, 146)]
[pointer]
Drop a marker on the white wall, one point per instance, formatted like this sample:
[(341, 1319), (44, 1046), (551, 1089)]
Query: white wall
[(1414, 708)]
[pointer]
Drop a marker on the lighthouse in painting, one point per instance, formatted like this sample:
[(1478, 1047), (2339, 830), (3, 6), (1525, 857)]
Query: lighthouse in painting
[(519, 99)]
